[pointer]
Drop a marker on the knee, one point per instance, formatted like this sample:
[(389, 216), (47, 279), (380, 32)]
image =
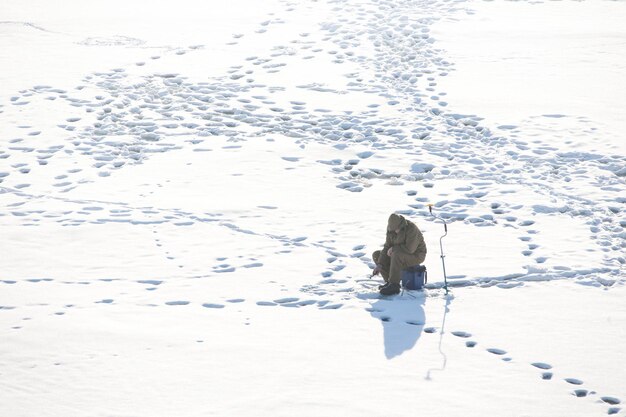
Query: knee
[(376, 256)]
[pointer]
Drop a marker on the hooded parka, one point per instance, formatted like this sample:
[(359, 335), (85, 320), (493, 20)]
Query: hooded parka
[(408, 248)]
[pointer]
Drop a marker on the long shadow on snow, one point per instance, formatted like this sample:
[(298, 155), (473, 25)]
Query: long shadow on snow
[(403, 321)]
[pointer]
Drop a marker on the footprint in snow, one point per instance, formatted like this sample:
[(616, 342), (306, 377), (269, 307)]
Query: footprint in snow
[(611, 400), (176, 303), (495, 351), (266, 303), (331, 306), (470, 343), (304, 303), (462, 334), (220, 269), (150, 282), (573, 381), (211, 305)]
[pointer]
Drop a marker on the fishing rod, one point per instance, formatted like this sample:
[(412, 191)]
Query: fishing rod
[(443, 262)]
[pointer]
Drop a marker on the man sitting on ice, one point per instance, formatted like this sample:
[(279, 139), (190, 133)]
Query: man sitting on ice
[(404, 248)]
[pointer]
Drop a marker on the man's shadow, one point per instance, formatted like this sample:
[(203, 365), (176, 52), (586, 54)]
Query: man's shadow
[(403, 319)]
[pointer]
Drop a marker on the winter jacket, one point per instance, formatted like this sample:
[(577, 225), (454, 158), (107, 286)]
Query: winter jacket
[(409, 240)]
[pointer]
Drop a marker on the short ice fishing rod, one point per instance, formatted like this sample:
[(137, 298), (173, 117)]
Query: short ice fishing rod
[(443, 262)]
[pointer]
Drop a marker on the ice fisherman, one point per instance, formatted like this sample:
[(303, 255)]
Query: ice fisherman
[(404, 247)]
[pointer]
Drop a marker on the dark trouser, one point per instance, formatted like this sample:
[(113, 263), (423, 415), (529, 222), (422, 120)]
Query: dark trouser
[(392, 266)]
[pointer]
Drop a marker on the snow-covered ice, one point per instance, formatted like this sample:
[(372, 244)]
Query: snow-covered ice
[(191, 192)]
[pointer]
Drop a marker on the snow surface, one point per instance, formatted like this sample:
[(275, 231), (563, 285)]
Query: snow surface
[(191, 192)]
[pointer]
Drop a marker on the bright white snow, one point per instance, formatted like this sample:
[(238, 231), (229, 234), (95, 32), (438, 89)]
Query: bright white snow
[(191, 192)]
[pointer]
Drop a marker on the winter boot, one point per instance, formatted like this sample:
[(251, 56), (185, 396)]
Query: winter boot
[(380, 287), (390, 289)]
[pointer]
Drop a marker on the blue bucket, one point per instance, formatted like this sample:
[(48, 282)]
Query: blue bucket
[(414, 278)]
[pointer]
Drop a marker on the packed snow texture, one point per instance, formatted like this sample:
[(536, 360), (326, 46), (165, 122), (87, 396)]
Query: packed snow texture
[(191, 192)]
